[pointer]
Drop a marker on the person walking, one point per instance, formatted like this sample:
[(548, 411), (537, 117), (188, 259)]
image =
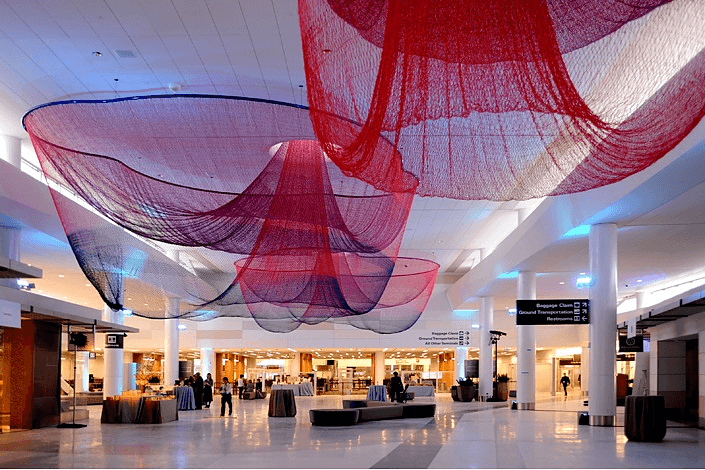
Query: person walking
[(208, 391), (226, 396), (240, 386), (565, 381)]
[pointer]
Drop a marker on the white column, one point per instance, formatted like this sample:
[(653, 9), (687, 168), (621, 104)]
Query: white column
[(171, 342), (585, 371), (82, 374), (460, 355), (603, 323), (113, 359), (11, 150), (379, 367), (296, 365), (207, 362), (526, 347), (10, 248), (486, 359)]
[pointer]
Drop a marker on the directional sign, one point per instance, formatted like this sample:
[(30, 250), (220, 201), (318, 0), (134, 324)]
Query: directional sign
[(553, 312)]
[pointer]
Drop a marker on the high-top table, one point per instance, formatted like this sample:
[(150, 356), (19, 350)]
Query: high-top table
[(645, 418), (184, 398), (377, 393), (282, 403), (421, 390)]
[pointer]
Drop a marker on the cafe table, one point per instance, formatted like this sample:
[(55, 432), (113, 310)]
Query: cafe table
[(282, 403)]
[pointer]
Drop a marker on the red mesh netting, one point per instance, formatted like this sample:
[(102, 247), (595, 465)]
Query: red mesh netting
[(502, 99), (239, 177)]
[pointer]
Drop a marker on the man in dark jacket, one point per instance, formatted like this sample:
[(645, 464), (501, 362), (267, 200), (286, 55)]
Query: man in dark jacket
[(198, 391), (396, 388)]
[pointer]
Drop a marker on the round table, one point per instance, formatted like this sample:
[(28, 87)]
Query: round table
[(185, 399), (282, 403), (377, 393)]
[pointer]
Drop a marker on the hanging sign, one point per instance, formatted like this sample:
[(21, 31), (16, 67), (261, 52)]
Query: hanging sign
[(114, 341), (553, 312), (635, 344)]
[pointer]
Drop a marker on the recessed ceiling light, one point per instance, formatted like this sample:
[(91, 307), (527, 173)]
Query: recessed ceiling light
[(98, 54), (61, 275), (638, 280), (561, 283)]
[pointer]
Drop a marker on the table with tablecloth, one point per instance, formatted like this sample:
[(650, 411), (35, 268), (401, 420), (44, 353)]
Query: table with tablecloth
[(645, 418), (138, 409), (421, 390), (304, 388), (157, 411), (377, 393), (121, 409), (185, 398), (282, 403)]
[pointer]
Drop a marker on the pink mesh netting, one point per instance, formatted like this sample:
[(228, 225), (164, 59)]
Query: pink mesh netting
[(502, 99), (239, 177)]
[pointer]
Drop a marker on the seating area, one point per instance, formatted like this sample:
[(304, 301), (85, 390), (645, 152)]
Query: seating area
[(358, 411)]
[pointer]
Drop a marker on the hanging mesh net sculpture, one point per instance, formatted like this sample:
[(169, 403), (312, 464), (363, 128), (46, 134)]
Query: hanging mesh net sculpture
[(236, 177), (502, 99)]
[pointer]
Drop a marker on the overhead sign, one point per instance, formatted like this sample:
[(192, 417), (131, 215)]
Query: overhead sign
[(446, 338), (631, 328), (10, 315), (635, 344), (114, 341), (553, 312)]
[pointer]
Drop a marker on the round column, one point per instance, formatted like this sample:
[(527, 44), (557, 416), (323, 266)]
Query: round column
[(207, 362), (486, 358), (602, 405), (461, 354), (526, 347), (114, 359), (379, 367), (295, 368), (82, 374), (171, 342)]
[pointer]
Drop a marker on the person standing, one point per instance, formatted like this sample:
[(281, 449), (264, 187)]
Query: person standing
[(198, 391), (226, 396), (240, 386), (208, 391), (396, 388), (565, 381)]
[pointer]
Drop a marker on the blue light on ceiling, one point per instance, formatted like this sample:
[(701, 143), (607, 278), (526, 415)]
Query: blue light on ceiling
[(579, 231), (464, 313), (583, 281), (509, 275)]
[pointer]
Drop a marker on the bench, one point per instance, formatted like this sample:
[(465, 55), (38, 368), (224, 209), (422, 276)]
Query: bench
[(369, 410)]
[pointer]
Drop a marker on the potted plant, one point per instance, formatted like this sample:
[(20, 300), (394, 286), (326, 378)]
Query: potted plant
[(464, 391), (503, 387)]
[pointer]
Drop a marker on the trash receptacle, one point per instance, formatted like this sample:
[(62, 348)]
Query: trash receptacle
[(645, 418)]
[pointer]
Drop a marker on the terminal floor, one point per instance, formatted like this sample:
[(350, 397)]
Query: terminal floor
[(462, 435)]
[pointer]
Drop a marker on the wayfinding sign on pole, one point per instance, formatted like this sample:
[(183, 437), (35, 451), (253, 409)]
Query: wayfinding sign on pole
[(553, 312)]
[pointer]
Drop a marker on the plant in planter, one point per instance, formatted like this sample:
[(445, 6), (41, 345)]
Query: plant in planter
[(464, 391)]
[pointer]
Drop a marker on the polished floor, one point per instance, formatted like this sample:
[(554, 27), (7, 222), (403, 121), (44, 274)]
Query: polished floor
[(462, 435)]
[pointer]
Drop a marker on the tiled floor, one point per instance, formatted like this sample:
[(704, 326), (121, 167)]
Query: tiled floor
[(462, 435)]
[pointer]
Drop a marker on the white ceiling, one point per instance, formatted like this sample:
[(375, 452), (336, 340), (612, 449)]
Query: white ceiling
[(253, 48)]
